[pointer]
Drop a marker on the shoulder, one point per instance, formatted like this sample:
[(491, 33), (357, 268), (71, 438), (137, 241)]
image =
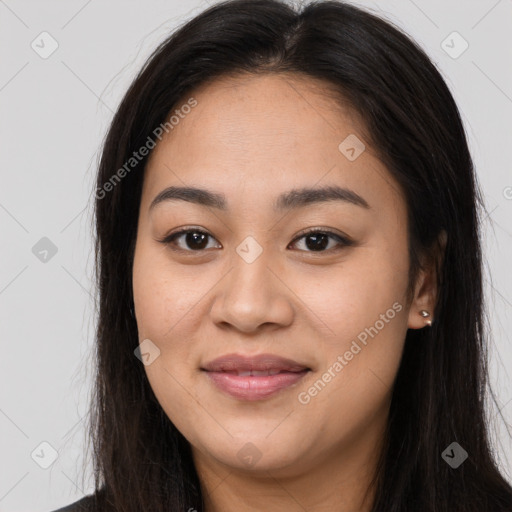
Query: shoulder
[(86, 504)]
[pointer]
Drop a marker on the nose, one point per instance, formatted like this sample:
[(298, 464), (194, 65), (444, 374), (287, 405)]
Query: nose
[(253, 295)]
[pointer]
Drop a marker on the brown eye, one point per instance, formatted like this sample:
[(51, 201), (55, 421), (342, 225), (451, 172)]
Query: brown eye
[(318, 241), (192, 240), (196, 240)]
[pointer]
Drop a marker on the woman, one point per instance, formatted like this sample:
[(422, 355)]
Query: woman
[(289, 267)]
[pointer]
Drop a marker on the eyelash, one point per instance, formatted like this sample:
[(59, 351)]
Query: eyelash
[(342, 240)]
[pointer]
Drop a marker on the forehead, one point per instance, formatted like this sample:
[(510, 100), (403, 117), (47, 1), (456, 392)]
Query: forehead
[(252, 137)]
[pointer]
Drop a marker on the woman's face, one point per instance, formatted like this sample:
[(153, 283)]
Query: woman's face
[(256, 284)]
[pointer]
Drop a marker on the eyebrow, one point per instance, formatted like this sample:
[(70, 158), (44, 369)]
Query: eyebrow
[(295, 198)]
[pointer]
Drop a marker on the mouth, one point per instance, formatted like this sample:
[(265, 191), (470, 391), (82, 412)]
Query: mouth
[(259, 363), (257, 373), (256, 377)]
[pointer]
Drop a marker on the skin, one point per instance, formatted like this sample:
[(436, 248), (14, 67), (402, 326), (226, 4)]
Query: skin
[(252, 138)]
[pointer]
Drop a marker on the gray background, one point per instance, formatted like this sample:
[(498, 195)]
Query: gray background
[(54, 113)]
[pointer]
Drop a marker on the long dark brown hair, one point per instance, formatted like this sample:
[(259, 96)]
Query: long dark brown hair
[(141, 461)]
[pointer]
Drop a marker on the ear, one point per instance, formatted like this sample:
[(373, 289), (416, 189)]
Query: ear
[(426, 287)]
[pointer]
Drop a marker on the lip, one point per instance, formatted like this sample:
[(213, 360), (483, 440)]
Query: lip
[(260, 362), (279, 373)]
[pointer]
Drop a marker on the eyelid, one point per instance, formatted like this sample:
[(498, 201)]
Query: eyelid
[(343, 240), (168, 239), (325, 231)]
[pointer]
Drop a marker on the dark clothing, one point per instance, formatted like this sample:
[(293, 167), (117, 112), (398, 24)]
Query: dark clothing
[(86, 504)]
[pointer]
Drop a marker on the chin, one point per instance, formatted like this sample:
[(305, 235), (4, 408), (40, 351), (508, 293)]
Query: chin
[(258, 454)]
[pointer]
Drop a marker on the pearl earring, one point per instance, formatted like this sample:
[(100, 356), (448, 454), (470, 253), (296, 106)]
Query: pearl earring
[(424, 313)]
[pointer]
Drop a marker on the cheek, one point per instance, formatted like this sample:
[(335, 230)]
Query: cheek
[(162, 294), (352, 295), (363, 317), (169, 309), (165, 317), (353, 384)]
